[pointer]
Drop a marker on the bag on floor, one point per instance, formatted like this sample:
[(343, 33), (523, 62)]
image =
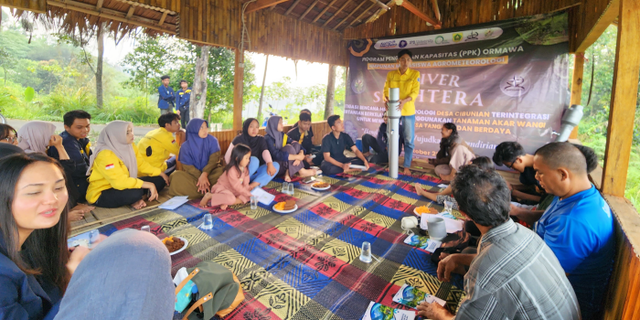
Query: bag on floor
[(218, 291)]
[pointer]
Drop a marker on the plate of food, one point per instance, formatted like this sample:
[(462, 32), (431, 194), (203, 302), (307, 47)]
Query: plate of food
[(357, 166), (424, 209), (175, 245), (285, 206), (320, 186)]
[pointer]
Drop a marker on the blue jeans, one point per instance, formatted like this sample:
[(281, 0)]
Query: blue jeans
[(127, 276), (409, 123), (258, 173)]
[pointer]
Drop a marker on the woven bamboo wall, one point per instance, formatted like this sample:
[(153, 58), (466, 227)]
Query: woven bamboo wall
[(320, 129), (455, 13), (215, 22)]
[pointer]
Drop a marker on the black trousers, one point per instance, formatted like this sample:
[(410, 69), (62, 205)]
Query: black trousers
[(184, 117), (329, 169), (381, 156), (112, 198)]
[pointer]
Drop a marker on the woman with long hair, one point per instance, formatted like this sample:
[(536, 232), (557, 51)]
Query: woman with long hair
[(201, 161), (36, 265), (262, 168), (288, 153), (118, 174), (454, 153), (233, 186), (8, 134)]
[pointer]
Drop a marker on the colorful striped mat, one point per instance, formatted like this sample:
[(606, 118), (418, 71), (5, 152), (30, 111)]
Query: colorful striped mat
[(305, 265)]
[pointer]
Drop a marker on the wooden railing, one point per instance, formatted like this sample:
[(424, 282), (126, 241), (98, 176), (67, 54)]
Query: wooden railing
[(320, 129)]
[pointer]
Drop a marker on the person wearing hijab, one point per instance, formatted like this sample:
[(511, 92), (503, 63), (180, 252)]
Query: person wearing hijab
[(39, 136), (454, 153), (288, 153), (201, 161), (114, 168), (262, 169)]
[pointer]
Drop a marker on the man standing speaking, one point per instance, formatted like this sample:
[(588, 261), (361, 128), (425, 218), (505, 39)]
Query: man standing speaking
[(408, 81)]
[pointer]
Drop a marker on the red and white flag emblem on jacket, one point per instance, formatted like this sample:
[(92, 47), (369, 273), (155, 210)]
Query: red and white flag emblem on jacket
[(109, 166)]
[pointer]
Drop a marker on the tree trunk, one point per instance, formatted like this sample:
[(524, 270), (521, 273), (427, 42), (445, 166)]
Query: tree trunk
[(99, 91), (198, 100), (331, 89), (259, 117)]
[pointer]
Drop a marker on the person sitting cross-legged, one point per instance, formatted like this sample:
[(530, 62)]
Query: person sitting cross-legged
[(514, 274), (333, 146), (114, 167), (157, 146), (380, 144), (303, 133), (288, 153), (578, 225), (201, 160)]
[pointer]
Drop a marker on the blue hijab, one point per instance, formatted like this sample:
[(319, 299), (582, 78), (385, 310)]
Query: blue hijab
[(196, 151)]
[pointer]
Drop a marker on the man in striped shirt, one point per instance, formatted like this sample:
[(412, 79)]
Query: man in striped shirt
[(514, 274)]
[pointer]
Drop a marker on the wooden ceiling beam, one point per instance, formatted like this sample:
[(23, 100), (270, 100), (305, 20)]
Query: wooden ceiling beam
[(137, 4), (324, 11), (436, 10), (130, 13), (99, 5), (348, 16), (109, 14), (292, 7), (336, 13), (308, 9), (164, 16), (261, 4), (362, 14), (409, 6)]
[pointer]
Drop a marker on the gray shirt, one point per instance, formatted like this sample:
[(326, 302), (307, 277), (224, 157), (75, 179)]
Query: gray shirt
[(516, 276)]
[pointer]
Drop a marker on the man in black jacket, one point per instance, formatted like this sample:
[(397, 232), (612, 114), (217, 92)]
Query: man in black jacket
[(302, 133), (380, 144)]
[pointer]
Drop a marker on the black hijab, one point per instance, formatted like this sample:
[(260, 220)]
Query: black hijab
[(257, 143)]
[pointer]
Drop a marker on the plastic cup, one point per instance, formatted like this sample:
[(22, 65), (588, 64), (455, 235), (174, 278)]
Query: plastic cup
[(365, 254), (292, 189), (145, 228), (208, 222), (285, 188), (254, 202), (448, 206)]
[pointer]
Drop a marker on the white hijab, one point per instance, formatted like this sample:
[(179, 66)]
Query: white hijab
[(114, 137), (34, 136)]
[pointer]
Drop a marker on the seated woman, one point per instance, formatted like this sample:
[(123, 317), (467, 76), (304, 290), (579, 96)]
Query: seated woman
[(483, 163), (8, 134), (36, 265), (262, 169), (233, 186), (453, 154), (201, 162), (114, 167), (288, 153), (39, 136)]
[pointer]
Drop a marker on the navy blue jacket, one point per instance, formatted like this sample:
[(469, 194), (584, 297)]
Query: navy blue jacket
[(183, 98), (276, 151), (22, 297), (79, 152), (166, 97)]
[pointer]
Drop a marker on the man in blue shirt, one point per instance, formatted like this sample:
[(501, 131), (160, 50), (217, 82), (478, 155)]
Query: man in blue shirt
[(578, 225), (166, 96), (183, 96)]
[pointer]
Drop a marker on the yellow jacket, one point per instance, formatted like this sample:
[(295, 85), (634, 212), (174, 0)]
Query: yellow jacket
[(109, 171), (162, 144), (409, 84)]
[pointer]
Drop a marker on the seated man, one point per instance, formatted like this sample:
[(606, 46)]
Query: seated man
[(77, 125), (157, 146), (512, 155), (578, 225), (380, 144), (514, 274), (333, 146), (303, 134)]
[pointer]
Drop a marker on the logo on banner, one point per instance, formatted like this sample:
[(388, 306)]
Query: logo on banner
[(402, 44), (514, 86), (441, 40), (388, 44), (457, 37), (472, 37)]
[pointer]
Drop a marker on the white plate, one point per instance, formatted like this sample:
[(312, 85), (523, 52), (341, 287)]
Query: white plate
[(415, 210), (285, 211), (321, 189), (186, 244), (357, 166)]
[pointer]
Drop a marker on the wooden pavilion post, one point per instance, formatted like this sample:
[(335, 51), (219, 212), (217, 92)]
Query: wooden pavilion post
[(624, 94), (238, 82), (576, 86)]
